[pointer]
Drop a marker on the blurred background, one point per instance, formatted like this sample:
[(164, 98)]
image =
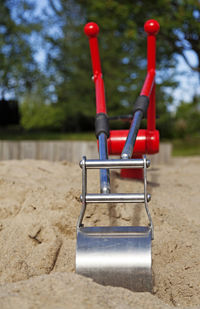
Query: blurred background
[(46, 91)]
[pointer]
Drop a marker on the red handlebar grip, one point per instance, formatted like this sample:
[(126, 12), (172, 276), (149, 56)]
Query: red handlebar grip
[(151, 27), (91, 29)]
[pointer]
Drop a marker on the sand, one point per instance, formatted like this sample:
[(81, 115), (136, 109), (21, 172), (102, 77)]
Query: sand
[(39, 207)]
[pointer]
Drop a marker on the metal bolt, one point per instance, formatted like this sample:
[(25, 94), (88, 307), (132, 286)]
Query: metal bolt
[(148, 197), (148, 162), (81, 163), (125, 156)]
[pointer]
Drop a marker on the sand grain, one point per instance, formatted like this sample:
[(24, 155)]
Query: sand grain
[(39, 207)]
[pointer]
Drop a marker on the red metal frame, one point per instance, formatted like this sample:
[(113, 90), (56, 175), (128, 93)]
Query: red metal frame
[(92, 30), (152, 28), (147, 141)]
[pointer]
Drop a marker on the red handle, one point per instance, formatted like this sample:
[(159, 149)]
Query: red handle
[(91, 30), (152, 28)]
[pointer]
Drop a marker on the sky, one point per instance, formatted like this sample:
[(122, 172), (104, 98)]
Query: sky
[(188, 79)]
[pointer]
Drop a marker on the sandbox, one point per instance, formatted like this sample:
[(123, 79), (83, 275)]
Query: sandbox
[(39, 207)]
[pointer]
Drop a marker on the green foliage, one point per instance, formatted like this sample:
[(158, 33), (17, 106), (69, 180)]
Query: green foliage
[(18, 69), (187, 120), (18, 134), (35, 114), (122, 43), (68, 71), (189, 146), (181, 33)]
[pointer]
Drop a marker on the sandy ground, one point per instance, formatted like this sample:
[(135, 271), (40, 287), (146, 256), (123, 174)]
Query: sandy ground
[(39, 207)]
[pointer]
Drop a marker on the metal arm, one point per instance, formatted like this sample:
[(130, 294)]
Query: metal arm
[(92, 30), (131, 138), (104, 173), (148, 90)]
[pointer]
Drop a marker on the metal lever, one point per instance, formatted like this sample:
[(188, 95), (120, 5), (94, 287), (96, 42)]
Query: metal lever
[(131, 138), (104, 173)]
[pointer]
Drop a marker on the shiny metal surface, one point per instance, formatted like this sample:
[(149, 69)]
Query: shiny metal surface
[(117, 256), (146, 198), (131, 138), (104, 173), (116, 198), (84, 192), (114, 163)]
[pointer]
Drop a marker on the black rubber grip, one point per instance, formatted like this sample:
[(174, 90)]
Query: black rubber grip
[(141, 104), (102, 124)]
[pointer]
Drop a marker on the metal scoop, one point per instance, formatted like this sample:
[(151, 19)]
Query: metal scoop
[(115, 255)]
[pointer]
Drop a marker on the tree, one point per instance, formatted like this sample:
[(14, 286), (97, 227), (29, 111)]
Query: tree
[(122, 43), (18, 69), (188, 118), (35, 114), (182, 32), (123, 52)]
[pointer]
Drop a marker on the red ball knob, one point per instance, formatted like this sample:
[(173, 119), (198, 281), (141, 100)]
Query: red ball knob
[(152, 26), (91, 29)]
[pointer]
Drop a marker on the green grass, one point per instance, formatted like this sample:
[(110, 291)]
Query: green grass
[(189, 146), (16, 134)]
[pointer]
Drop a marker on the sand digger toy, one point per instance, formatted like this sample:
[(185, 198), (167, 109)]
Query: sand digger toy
[(120, 255)]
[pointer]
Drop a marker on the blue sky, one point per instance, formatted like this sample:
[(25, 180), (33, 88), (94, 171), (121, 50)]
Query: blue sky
[(188, 79)]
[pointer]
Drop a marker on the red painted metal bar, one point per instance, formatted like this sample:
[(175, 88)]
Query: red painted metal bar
[(148, 84), (146, 142), (152, 28), (100, 95), (91, 30), (151, 113)]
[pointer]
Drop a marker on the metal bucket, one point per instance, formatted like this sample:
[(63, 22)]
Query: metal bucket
[(116, 256)]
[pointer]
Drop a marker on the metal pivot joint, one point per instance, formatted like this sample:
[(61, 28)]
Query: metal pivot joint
[(131, 138)]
